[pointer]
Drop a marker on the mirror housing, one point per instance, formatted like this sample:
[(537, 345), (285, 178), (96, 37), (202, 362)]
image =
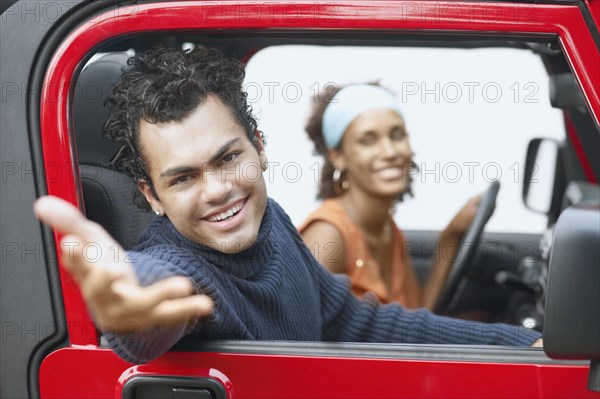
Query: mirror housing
[(564, 92), (544, 182), (572, 310)]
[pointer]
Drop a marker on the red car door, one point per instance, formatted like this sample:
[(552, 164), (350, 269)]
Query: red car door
[(86, 369)]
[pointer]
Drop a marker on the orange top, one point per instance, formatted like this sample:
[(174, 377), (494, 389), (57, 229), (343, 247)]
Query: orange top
[(364, 270)]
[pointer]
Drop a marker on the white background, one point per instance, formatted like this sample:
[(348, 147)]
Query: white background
[(462, 107)]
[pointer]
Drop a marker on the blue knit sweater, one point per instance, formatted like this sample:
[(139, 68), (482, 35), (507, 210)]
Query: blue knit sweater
[(276, 290)]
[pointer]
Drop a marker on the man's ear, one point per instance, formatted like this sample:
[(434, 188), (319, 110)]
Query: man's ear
[(264, 162), (148, 193), (260, 147)]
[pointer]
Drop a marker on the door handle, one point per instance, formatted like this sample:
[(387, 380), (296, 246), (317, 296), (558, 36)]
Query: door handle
[(159, 387)]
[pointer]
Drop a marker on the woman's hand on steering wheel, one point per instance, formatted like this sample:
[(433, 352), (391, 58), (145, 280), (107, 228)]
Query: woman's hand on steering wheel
[(464, 217)]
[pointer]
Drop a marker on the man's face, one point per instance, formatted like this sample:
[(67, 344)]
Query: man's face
[(208, 177)]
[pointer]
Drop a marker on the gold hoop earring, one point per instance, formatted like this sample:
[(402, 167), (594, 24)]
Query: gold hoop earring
[(336, 175), (338, 181)]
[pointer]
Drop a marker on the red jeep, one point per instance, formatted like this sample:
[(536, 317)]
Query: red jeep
[(58, 61)]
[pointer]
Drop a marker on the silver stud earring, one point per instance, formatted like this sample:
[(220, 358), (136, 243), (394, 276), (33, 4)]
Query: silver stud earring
[(263, 137), (157, 213)]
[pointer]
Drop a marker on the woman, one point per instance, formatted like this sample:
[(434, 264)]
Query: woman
[(360, 132)]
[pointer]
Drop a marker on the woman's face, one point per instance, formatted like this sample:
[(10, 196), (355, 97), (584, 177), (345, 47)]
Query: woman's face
[(376, 153)]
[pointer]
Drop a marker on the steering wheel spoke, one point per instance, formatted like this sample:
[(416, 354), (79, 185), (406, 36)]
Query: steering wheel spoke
[(467, 250)]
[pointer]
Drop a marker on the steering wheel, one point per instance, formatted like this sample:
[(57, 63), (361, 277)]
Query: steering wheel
[(467, 250)]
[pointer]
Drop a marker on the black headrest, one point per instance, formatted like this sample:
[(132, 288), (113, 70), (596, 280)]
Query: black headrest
[(107, 193), (108, 201), (95, 83)]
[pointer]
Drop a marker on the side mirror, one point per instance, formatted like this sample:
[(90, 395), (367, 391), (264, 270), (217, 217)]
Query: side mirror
[(564, 92), (543, 183), (572, 311)]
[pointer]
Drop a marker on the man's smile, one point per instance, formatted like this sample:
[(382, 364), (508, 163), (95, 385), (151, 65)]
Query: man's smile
[(227, 212)]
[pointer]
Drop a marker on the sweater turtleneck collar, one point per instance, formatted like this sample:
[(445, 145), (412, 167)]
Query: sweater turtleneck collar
[(244, 264)]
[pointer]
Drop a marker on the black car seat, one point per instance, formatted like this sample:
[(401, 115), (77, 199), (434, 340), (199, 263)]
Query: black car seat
[(107, 194)]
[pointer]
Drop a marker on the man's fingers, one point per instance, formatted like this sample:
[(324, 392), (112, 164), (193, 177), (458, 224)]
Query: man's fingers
[(108, 281), (151, 296), (172, 301), (170, 312), (169, 288), (176, 311), (166, 302), (66, 218), (72, 258), (59, 214), (143, 300)]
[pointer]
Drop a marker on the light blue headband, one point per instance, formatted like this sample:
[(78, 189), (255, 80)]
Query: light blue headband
[(350, 102)]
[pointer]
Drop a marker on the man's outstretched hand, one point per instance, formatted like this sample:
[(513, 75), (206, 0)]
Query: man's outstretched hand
[(108, 282)]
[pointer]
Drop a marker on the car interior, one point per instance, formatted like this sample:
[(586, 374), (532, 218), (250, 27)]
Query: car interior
[(107, 193), (510, 290), (536, 262)]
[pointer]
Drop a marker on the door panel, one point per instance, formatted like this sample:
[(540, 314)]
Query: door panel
[(309, 370)]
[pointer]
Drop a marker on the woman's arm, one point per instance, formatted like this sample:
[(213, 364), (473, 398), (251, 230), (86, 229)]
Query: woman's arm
[(326, 244)]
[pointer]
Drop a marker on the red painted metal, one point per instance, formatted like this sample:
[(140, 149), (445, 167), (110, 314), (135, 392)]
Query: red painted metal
[(594, 8), (82, 370), (99, 373), (428, 16)]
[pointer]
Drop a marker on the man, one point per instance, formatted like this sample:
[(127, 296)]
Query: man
[(220, 260)]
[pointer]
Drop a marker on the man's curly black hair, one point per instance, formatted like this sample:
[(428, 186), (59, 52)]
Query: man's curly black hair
[(166, 85)]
